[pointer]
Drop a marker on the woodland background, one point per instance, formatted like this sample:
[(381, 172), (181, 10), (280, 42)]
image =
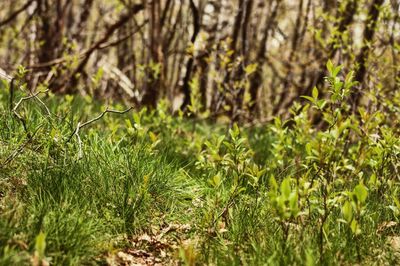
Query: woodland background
[(238, 59)]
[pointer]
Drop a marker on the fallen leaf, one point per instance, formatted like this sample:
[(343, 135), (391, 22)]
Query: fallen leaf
[(145, 237), (125, 257), (385, 225), (394, 242)]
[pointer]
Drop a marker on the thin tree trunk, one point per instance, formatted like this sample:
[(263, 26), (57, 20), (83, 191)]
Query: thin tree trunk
[(362, 57), (153, 83), (256, 80), (189, 65)]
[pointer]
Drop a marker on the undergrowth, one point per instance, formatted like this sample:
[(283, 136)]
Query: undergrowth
[(320, 188)]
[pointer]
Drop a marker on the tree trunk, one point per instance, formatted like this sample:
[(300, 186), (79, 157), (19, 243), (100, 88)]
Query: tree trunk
[(362, 57)]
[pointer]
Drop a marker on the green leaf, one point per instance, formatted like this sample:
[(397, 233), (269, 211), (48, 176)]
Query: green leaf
[(361, 192), (355, 227), (349, 77), (347, 211), (128, 123), (310, 259), (153, 137), (293, 204), (220, 140), (234, 131), (285, 188), (333, 71), (278, 122), (372, 180), (136, 118), (321, 104), (40, 244), (315, 93), (273, 184), (216, 180), (329, 66), (250, 69), (311, 99), (228, 145), (336, 70)]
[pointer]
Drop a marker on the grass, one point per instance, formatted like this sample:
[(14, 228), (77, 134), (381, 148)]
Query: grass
[(146, 187)]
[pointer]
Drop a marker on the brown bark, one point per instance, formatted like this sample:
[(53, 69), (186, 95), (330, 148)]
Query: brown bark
[(153, 82), (362, 57), (346, 20), (257, 78), (240, 73), (189, 65), (317, 79), (73, 78)]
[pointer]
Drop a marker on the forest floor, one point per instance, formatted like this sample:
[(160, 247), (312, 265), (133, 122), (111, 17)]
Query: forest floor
[(147, 188)]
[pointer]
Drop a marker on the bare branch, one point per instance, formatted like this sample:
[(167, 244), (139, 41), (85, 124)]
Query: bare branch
[(23, 99), (16, 13), (102, 114), (19, 150), (81, 125), (34, 95), (86, 52)]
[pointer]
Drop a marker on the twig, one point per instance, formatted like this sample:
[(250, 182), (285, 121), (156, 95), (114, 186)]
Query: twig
[(11, 94), (231, 201), (16, 13), (42, 103), (33, 95), (103, 113), (81, 125), (80, 152), (14, 110), (19, 150)]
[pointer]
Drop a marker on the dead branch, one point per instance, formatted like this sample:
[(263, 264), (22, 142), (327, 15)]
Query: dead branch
[(103, 113), (19, 150), (81, 125), (33, 95), (23, 99)]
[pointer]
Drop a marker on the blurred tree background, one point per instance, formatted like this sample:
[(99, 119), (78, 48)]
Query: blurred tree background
[(244, 60)]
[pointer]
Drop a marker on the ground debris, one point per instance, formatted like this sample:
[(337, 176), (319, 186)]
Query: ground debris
[(160, 247)]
